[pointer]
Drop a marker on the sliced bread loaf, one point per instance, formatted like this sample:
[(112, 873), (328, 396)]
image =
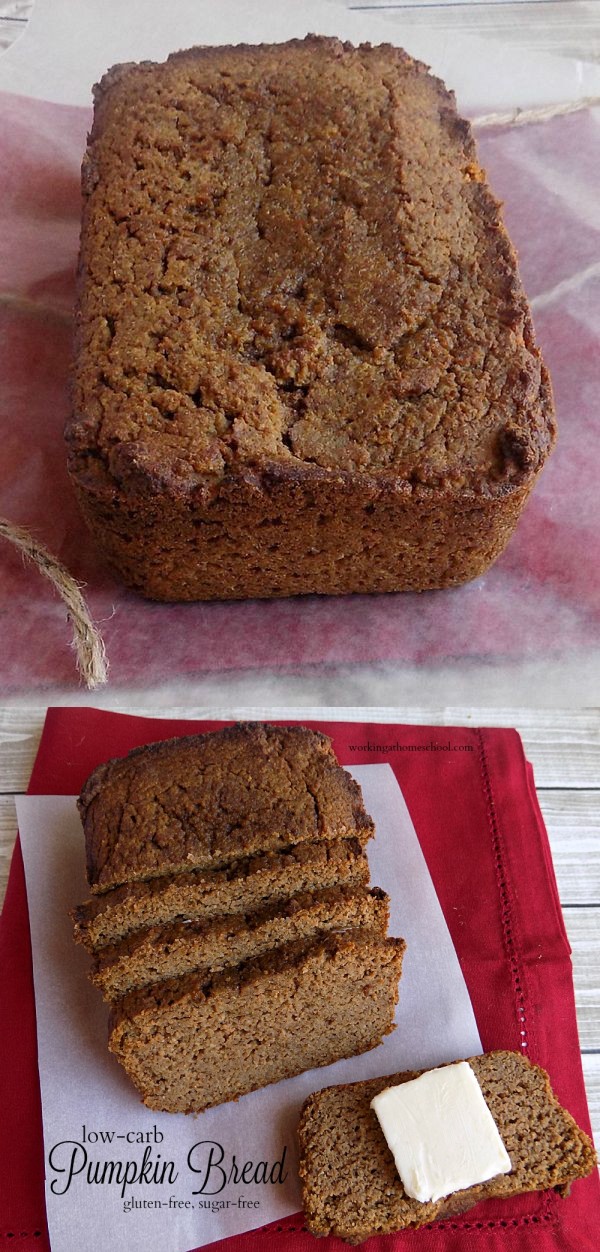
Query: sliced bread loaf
[(350, 1185), (231, 922), (160, 952), (188, 1043)]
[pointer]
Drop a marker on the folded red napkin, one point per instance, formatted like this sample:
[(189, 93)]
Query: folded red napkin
[(471, 797), (539, 599)]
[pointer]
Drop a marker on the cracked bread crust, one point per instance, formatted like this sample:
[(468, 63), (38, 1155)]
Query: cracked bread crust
[(203, 801), (304, 358), (350, 1184)]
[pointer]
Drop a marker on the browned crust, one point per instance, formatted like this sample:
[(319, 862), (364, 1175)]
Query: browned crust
[(170, 990), (142, 958), (194, 894), (248, 1005), (280, 538)]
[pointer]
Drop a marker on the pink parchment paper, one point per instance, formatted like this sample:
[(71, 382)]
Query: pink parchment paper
[(541, 599)]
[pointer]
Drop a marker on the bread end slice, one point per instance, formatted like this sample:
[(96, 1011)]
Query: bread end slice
[(349, 1180)]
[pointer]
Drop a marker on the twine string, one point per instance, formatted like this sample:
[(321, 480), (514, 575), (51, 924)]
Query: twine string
[(526, 117), (87, 641)]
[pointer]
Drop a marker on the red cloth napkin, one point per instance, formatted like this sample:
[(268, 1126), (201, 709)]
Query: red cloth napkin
[(542, 598), (471, 797)]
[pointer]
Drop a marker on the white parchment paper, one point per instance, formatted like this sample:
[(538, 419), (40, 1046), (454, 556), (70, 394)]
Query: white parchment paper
[(92, 1115)]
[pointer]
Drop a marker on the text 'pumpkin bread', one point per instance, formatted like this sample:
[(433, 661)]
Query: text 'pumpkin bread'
[(304, 362)]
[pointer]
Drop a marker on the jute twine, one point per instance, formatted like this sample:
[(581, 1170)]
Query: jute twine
[(87, 641), (525, 117)]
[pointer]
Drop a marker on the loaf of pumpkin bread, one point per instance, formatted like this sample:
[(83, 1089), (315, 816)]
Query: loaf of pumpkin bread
[(350, 1184), (304, 361), (232, 928)]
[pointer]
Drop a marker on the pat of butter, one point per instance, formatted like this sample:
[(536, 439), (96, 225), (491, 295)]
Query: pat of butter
[(441, 1133)]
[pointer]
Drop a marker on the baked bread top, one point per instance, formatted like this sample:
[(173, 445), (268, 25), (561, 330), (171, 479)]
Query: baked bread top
[(290, 259), (202, 801)]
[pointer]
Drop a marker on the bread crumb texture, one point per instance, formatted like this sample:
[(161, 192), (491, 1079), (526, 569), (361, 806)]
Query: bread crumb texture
[(190, 1043), (177, 948), (201, 895)]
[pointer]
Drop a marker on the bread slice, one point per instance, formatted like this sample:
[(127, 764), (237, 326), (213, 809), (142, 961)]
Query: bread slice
[(242, 887), (349, 1180), (161, 952), (188, 1043), (204, 801)]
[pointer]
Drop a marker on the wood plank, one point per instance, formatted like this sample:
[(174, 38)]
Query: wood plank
[(9, 31), (8, 831), (20, 731), (14, 15), (16, 10), (563, 745), (572, 820), (583, 929)]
